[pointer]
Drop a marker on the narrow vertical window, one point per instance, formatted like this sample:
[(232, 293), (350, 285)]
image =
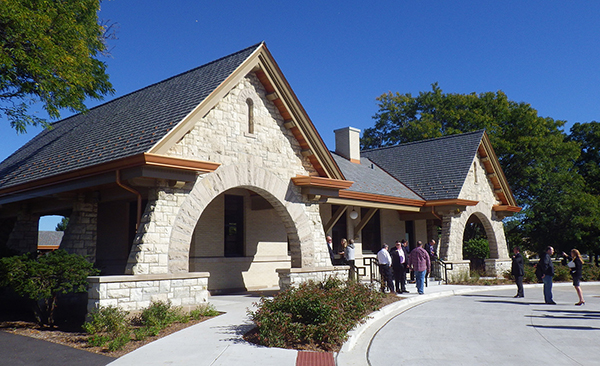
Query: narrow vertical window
[(250, 105), (475, 170)]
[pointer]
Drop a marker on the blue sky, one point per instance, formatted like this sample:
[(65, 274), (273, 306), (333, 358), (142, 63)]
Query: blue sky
[(338, 56)]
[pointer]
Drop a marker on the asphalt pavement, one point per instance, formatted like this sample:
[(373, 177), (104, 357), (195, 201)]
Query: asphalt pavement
[(482, 326)]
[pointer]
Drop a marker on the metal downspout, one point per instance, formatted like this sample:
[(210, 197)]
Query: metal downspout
[(139, 199)]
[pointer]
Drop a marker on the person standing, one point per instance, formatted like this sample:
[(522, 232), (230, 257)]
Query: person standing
[(518, 271), (385, 270), (399, 267), (547, 270), (343, 244), (420, 263), (406, 253), (349, 256), (576, 267), (430, 248), (330, 249)]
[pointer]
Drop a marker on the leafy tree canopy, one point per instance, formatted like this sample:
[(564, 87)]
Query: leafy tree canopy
[(48, 54)]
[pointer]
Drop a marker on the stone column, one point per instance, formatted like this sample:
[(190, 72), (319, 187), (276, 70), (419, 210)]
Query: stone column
[(81, 233), (153, 252), (24, 236)]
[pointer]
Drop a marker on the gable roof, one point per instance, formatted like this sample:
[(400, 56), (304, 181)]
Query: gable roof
[(145, 123), (120, 128), (437, 168), (370, 178), (434, 168)]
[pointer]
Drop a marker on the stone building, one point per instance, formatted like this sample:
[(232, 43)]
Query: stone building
[(217, 180)]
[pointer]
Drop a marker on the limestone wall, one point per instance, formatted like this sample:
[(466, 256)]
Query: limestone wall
[(134, 293)]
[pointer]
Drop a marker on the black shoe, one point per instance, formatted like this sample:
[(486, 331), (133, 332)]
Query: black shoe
[(516, 296), (551, 303), (405, 291)]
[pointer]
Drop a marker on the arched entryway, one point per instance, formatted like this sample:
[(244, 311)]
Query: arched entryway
[(479, 232), (241, 240)]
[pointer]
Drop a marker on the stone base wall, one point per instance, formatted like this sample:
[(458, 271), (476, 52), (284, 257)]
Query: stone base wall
[(497, 267), (459, 268), (136, 292), (289, 277)]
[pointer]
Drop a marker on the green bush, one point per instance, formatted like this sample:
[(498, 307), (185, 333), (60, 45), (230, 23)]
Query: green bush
[(476, 249), (108, 326), (203, 311), (561, 273), (158, 316), (591, 272), (318, 313), (43, 278), (112, 327)]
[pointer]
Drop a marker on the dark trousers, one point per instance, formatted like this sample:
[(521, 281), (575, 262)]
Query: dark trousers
[(352, 275), (519, 282), (400, 278), (386, 277)]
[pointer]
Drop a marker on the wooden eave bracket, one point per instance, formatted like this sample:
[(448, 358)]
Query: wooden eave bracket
[(320, 182), (506, 208)]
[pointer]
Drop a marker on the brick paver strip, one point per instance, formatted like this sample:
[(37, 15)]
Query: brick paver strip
[(307, 358)]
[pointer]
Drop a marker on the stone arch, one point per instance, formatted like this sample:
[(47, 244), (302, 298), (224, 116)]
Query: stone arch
[(284, 197), (453, 227), (489, 232)]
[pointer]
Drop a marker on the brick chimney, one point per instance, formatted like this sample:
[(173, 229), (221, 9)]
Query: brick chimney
[(347, 143)]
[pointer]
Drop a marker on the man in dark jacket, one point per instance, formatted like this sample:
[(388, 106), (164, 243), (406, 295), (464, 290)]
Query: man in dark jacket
[(518, 270), (399, 266), (547, 274)]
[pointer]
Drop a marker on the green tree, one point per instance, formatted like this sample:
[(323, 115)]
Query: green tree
[(534, 152), (588, 163), (62, 225), (48, 54), (588, 136), (43, 279)]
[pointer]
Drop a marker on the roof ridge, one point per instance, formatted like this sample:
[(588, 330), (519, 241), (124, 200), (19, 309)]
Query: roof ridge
[(426, 140), (162, 81)]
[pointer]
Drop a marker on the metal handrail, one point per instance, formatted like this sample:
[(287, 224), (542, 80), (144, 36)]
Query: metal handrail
[(373, 265), (445, 266)]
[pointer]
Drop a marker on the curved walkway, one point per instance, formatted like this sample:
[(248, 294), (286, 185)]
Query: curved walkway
[(481, 325)]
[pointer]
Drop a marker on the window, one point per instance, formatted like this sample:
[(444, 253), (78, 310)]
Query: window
[(250, 105), (234, 226), (371, 233)]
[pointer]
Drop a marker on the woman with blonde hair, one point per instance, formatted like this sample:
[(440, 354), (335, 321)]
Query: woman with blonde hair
[(576, 266)]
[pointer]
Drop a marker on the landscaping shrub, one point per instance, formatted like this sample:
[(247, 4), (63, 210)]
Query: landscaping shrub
[(591, 273), (561, 273), (314, 313), (108, 326), (43, 278), (203, 311), (476, 249), (113, 328), (157, 317)]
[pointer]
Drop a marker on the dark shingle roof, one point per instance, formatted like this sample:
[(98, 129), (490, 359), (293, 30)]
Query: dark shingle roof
[(126, 126), (369, 178), (435, 169)]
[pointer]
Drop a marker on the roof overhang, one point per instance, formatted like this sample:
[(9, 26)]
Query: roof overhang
[(141, 165), (316, 187), (494, 172)]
